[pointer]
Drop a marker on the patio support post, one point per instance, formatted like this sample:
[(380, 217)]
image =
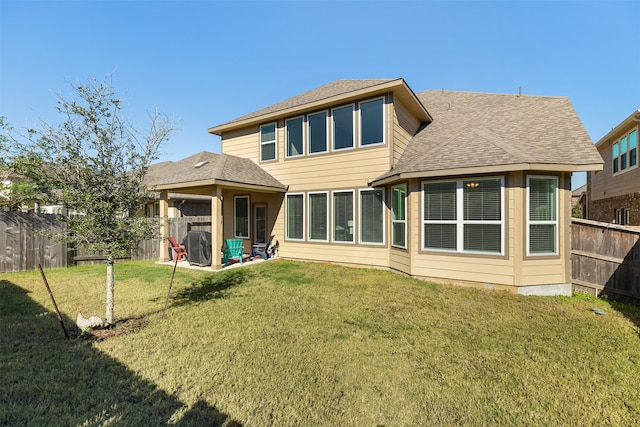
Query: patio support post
[(164, 226), (216, 228)]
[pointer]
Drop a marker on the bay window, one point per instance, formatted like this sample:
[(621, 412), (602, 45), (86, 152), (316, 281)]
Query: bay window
[(398, 216), (542, 215)]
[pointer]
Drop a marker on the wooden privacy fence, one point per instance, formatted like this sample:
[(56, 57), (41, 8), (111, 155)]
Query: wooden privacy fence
[(605, 258), (27, 240)]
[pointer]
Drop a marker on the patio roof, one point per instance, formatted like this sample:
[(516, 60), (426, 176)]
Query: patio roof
[(207, 168)]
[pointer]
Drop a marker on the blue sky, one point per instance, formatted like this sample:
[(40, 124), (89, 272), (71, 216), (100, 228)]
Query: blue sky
[(207, 62)]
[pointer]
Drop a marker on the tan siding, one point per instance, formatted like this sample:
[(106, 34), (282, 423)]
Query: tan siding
[(465, 268), (604, 184), (338, 253), (404, 127), (400, 260)]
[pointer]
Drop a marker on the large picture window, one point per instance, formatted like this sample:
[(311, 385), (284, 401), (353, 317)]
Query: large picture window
[(295, 137), (268, 142), (463, 216), (317, 132), (241, 217), (342, 127), (372, 122), (542, 215), (343, 225), (372, 216), (398, 216), (295, 217), (318, 216)]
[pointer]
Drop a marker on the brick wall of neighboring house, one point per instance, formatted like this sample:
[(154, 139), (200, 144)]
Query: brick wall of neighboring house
[(604, 210)]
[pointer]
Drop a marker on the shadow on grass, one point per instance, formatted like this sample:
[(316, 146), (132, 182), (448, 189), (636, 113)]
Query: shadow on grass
[(211, 287), (48, 380)]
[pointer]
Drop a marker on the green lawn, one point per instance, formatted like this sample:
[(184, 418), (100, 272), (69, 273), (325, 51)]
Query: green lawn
[(287, 343)]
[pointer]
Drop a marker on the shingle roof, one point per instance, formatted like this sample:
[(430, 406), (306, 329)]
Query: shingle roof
[(478, 130), (335, 88), (213, 166)]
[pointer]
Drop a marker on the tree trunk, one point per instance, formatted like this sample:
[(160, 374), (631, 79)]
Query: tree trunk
[(110, 290)]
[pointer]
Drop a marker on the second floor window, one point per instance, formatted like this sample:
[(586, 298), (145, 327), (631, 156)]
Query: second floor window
[(295, 138), (624, 152), (372, 122), (268, 142), (343, 127)]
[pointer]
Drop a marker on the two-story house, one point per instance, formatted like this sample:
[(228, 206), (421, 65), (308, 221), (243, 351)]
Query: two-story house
[(464, 188), (613, 194)]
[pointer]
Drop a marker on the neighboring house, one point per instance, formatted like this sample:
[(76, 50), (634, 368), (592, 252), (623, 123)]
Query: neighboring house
[(579, 201), (454, 187), (614, 193)]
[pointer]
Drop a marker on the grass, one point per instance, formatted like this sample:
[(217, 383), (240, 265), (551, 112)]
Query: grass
[(287, 343)]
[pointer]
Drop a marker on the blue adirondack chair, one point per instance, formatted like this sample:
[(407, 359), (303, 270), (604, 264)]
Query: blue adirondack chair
[(232, 249), (261, 250)]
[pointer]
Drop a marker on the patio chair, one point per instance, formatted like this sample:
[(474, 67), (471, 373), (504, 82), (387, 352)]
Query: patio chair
[(261, 250), (232, 249), (178, 251)]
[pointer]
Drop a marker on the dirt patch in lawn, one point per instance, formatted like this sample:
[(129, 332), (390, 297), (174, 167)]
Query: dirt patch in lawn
[(120, 327)]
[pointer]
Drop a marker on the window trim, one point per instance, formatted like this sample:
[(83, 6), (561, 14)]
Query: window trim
[(353, 216), (529, 223), (274, 141), (384, 127), (361, 222), (326, 133), (353, 128), (303, 136), (403, 221), (286, 218), (327, 222), (460, 222), (235, 216)]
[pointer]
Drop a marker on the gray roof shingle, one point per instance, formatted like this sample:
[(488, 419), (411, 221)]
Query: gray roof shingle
[(472, 129), (335, 88), (213, 167)]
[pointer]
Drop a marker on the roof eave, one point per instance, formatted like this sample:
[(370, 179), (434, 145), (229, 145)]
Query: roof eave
[(397, 86), (633, 117), (403, 176), (219, 182)]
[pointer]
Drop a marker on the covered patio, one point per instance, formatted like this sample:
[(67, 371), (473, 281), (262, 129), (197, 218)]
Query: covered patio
[(239, 191)]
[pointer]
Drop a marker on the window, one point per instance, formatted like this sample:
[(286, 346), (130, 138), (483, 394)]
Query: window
[(241, 217), (317, 132), (268, 142), (624, 152), (343, 216), (542, 215), (463, 216), (372, 216), (398, 216), (295, 139), (295, 217), (372, 122), (622, 216), (318, 217), (342, 127)]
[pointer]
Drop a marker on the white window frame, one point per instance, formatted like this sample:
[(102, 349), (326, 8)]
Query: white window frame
[(274, 142), (399, 221), (235, 217), (326, 133), (286, 137), (529, 223), (361, 222), (384, 121), (353, 130), (460, 222), (327, 222), (353, 216), (286, 217)]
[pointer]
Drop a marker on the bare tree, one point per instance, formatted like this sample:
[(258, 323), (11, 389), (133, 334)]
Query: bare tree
[(94, 164)]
